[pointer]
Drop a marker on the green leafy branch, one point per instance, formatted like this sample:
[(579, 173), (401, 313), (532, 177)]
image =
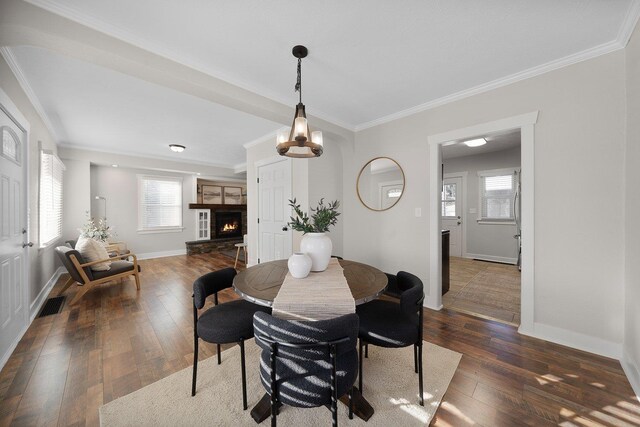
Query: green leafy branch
[(322, 217)]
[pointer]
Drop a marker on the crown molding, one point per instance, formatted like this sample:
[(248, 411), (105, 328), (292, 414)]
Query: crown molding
[(240, 167), (12, 61), (144, 156), (624, 34), (128, 37), (264, 138)]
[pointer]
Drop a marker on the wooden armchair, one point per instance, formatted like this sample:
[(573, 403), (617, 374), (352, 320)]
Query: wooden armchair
[(81, 272)]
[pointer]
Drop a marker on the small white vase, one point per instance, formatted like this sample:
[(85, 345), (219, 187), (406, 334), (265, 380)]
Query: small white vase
[(299, 265), (319, 247)]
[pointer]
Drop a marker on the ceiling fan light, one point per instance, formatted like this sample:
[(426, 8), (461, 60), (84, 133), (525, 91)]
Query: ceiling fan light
[(475, 142)]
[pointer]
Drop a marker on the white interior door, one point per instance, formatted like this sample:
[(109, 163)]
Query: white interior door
[(13, 232), (452, 214), (274, 192)]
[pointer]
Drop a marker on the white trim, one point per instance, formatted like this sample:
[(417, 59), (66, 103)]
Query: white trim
[(161, 254), (495, 222), (525, 122), (160, 230), (11, 60), (575, 340), (492, 258), (240, 167), (632, 370), (269, 160), (264, 138)]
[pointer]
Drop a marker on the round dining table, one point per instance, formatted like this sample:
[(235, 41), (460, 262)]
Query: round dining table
[(260, 284)]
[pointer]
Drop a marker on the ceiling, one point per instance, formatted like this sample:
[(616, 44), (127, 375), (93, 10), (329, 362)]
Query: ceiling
[(369, 60), (495, 142)]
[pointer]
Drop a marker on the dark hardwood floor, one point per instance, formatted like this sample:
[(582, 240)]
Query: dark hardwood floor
[(116, 341)]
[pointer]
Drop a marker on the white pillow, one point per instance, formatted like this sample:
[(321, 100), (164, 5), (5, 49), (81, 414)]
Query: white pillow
[(92, 250)]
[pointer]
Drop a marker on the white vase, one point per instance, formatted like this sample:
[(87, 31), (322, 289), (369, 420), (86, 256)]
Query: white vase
[(299, 265), (319, 247)]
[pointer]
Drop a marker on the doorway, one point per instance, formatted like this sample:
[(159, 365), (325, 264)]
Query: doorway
[(525, 123), (484, 279)]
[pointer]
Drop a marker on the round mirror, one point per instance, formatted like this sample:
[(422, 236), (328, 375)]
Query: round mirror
[(380, 184)]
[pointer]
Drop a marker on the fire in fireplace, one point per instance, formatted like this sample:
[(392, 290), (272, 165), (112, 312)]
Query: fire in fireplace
[(228, 224)]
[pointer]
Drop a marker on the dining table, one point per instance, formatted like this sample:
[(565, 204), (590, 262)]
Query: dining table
[(261, 283)]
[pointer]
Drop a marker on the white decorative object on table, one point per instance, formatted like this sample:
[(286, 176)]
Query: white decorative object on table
[(318, 247), (299, 265)]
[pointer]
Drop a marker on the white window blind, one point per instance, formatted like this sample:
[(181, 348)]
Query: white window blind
[(51, 170), (497, 192), (160, 203)]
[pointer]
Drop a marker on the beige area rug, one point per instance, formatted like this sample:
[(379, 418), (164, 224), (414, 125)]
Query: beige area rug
[(391, 387)]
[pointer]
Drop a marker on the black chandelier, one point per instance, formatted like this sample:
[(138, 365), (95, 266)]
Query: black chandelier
[(299, 141)]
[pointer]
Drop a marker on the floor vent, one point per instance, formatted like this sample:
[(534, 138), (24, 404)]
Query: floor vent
[(52, 306)]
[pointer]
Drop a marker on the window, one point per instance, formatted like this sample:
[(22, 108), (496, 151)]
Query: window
[(497, 195), (449, 200), (159, 203), (51, 169)]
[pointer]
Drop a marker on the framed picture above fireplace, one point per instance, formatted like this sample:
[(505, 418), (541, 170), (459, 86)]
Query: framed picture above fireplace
[(232, 195), (212, 194)]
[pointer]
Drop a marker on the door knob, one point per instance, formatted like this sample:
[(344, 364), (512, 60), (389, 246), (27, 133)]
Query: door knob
[(459, 222), (24, 231), (285, 228), (24, 245)]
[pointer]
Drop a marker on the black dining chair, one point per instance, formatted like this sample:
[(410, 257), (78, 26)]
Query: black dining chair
[(307, 364), (231, 322), (395, 325)]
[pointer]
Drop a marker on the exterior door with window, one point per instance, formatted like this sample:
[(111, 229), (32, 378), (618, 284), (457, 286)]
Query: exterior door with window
[(274, 192), (13, 223), (452, 215)]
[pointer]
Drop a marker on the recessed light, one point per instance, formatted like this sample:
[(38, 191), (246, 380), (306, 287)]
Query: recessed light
[(177, 148), (114, 166), (475, 142)]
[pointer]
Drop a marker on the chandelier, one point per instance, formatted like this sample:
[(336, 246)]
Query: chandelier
[(299, 141)]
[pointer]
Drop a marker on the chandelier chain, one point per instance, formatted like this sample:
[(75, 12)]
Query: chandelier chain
[(299, 81)]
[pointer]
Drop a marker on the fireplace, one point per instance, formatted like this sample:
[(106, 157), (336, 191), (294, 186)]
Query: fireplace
[(228, 224)]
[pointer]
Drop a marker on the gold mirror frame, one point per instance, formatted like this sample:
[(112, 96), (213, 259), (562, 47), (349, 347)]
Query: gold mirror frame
[(404, 183)]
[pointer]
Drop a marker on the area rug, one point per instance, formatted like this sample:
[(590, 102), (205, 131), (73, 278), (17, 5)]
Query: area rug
[(390, 386)]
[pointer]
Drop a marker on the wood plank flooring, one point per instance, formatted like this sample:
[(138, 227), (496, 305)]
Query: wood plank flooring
[(116, 341), (486, 289)]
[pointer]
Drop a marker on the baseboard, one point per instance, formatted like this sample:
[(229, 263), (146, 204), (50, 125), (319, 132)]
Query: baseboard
[(36, 305), (150, 255), (574, 340), (492, 258), (34, 308), (632, 370)]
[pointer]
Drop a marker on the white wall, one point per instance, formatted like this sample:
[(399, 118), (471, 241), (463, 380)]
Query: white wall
[(77, 196), (579, 200), (632, 224), (485, 241), (43, 262), (120, 187)]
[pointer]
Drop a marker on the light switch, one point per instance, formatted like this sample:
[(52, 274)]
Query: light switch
[(418, 212), (472, 210)]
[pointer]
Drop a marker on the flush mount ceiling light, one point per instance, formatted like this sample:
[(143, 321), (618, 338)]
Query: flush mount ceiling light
[(299, 141), (475, 142), (114, 166), (177, 148)]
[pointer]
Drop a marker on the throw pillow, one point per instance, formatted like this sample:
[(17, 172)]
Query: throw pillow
[(92, 250)]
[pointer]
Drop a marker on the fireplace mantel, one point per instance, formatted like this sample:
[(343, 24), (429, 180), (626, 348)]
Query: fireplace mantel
[(233, 208)]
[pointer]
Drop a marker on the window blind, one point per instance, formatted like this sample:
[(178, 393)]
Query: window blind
[(51, 171), (497, 192), (160, 202)]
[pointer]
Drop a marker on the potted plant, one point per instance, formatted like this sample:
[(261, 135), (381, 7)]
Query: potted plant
[(315, 243)]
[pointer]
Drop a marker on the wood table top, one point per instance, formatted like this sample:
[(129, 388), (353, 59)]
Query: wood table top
[(260, 284)]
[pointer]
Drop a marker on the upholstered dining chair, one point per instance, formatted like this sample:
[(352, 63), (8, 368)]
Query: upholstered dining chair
[(231, 322), (305, 363), (394, 325), (80, 271)]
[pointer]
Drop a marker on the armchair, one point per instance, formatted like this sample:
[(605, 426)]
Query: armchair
[(81, 272)]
